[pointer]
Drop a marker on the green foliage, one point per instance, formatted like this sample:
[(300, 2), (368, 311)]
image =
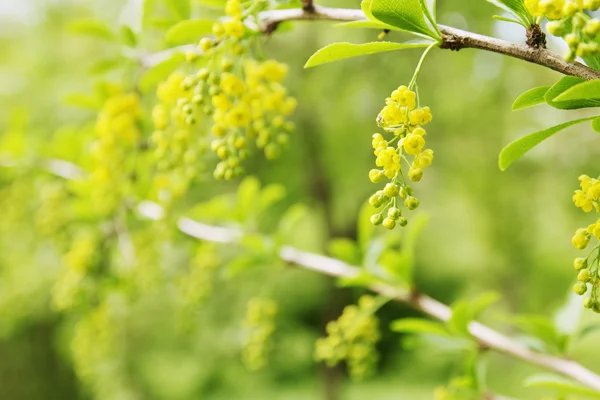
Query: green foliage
[(341, 51), (517, 9), (407, 15)]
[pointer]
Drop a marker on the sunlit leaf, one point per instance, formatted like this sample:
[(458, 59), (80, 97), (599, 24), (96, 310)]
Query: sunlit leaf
[(343, 50), (582, 91), (516, 149), (562, 385), (530, 98), (562, 86), (92, 28), (407, 15), (419, 326), (188, 31)]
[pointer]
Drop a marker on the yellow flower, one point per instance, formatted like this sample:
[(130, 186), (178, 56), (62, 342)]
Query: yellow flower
[(581, 239), (274, 71), (389, 160), (232, 85), (392, 114), (221, 101), (420, 116), (413, 144), (238, 116), (234, 28), (582, 201), (405, 97)]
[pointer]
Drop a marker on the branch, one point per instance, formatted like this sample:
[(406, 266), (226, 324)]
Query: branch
[(338, 269), (486, 336), (453, 39)]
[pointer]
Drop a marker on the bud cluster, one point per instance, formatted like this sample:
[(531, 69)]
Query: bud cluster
[(352, 338), (260, 326)]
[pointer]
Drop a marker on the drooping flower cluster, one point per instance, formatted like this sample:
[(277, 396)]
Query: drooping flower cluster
[(587, 199), (405, 121), (570, 21), (352, 338), (260, 326), (235, 97), (118, 133)]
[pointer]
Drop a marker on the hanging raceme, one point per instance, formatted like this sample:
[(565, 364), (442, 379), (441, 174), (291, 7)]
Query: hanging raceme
[(227, 91), (587, 198), (405, 120)]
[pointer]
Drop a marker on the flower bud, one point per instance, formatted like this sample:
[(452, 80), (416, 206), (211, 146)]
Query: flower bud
[(580, 288), (411, 203), (389, 223)]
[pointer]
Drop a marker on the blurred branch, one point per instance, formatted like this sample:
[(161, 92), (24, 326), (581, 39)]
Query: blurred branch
[(486, 336), (453, 39)]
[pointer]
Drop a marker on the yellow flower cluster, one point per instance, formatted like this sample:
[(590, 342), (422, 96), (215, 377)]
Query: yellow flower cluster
[(243, 101), (260, 325), (80, 259), (352, 338), (587, 198), (176, 148), (405, 120), (570, 21), (118, 133)]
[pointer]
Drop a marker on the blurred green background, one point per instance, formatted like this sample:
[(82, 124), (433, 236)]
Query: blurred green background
[(488, 230)]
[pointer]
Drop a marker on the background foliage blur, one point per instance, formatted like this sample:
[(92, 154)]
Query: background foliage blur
[(488, 231)]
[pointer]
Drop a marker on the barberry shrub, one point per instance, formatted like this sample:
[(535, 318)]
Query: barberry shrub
[(138, 240)]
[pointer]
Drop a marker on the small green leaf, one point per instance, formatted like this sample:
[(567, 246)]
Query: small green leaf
[(407, 15), (106, 65), (562, 86), (158, 72), (340, 51), (345, 249), (596, 124), (247, 195), (365, 6), (505, 19), (583, 91), (188, 31), (128, 36), (516, 8), (530, 98), (92, 28), (593, 62), (367, 24), (560, 384), (460, 319), (181, 8), (541, 328), (516, 149), (362, 279), (419, 326)]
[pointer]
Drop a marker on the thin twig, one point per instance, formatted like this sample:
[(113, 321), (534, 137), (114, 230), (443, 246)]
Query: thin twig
[(453, 39)]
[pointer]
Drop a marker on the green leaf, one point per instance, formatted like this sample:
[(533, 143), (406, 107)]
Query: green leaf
[(419, 326), (365, 6), (563, 385), (530, 98), (406, 15), (247, 195), (463, 312), (158, 72), (128, 36), (362, 279), (516, 149), (562, 86), (181, 8), (188, 31), (367, 24), (92, 28), (541, 328), (340, 51), (107, 65), (583, 91), (516, 8), (596, 124), (505, 19), (270, 195), (593, 62), (345, 249)]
